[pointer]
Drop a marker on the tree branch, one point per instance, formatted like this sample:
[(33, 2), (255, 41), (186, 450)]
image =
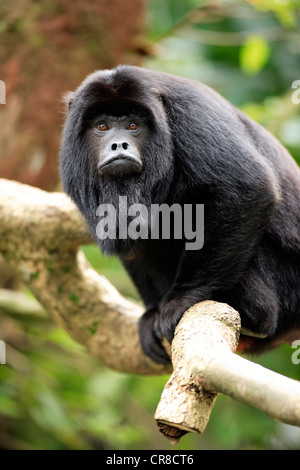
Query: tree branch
[(205, 364), (40, 236)]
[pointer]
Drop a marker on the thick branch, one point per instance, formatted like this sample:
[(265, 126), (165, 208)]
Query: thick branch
[(205, 364)]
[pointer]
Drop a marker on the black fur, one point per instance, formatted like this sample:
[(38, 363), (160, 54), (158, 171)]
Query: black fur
[(200, 150)]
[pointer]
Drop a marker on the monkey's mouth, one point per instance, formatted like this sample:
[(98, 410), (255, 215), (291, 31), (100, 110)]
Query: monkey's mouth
[(120, 166)]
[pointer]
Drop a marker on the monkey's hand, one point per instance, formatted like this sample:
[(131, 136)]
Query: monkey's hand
[(171, 310), (151, 337)]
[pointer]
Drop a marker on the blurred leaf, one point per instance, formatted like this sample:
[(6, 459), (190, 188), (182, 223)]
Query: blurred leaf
[(108, 385), (9, 407), (254, 54), (49, 412), (285, 10)]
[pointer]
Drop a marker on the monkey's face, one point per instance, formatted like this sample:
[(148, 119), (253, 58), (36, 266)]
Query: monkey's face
[(117, 144)]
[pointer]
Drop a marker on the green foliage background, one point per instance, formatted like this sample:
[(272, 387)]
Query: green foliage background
[(52, 395)]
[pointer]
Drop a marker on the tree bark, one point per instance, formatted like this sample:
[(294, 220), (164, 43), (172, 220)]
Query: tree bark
[(205, 364)]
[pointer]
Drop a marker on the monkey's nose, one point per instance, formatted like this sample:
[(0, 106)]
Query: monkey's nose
[(119, 146)]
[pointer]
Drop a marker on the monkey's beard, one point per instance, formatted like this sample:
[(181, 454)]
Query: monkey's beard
[(110, 208), (121, 196)]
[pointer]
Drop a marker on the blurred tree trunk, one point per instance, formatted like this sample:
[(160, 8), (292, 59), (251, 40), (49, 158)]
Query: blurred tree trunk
[(46, 49)]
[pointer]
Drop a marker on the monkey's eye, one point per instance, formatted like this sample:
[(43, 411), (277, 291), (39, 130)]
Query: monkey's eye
[(133, 126), (102, 126)]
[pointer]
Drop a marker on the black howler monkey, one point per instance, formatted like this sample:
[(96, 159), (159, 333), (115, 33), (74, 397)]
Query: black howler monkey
[(157, 138)]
